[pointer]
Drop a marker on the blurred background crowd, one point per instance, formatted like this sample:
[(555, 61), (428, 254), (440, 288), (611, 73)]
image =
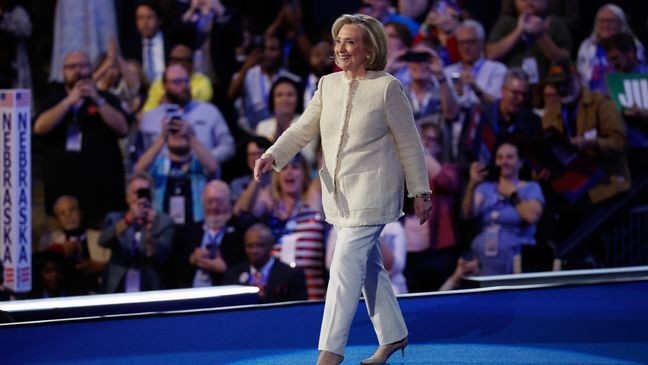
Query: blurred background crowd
[(149, 115)]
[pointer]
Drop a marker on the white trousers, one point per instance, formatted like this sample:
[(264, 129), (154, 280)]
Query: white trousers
[(357, 265)]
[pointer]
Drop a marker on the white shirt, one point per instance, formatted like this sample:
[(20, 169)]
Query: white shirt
[(488, 75), (157, 50), (265, 271)]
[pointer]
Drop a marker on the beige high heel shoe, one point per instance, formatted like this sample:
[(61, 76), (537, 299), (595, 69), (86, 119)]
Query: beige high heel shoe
[(329, 358), (385, 351)]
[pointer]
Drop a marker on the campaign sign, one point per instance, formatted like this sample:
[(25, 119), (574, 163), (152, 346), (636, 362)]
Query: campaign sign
[(629, 90), (15, 192)]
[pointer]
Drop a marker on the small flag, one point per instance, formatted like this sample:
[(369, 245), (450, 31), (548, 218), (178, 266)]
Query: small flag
[(6, 99), (23, 99)]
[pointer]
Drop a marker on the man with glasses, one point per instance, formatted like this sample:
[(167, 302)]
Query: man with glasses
[(507, 119), (203, 251), (80, 128), (199, 84), (205, 119), (476, 79), (593, 125)]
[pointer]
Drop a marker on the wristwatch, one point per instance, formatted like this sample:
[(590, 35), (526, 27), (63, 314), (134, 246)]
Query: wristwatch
[(515, 198), (101, 101), (427, 195)]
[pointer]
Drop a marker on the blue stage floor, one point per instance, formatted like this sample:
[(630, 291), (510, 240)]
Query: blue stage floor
[(591, 324)]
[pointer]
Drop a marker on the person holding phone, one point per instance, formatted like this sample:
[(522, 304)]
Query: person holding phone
[(508, 210), (205, 119), (139, 240), (180, 165), (80, 128), (428, 90)]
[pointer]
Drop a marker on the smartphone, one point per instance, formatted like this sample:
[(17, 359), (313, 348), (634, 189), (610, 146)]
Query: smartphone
[(467, 255), (416, 57), (493, 172), (144, 193), (173, 111)]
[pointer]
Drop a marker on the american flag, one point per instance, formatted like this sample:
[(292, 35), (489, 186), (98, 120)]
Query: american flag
[(23, 99), (9, 276), (24, 275), (6, 99)]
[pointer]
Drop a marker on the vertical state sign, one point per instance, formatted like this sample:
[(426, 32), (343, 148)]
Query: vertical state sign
[(15, 193)]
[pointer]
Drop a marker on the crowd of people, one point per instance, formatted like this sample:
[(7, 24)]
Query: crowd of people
[(148, 148)]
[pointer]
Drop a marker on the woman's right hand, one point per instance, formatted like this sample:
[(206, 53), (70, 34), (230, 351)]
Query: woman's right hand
[(262, 165), (477, 172)]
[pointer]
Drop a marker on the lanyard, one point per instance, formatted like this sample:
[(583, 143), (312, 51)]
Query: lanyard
[(567, 121)]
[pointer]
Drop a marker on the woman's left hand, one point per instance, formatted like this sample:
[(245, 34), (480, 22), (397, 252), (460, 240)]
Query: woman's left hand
[(422, 208)]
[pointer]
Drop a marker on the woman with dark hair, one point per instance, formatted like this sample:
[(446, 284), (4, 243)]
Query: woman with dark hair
[(286, 103), (508, 210)]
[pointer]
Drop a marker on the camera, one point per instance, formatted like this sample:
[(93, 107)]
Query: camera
[(416, 57), (144, 193), (493, 172), (173, 111)]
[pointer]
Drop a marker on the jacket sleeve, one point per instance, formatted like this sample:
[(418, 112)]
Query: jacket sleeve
[(299, 134), (611, 136), (408, 142)]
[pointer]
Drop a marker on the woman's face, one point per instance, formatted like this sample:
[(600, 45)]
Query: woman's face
[(394, 42), (550, 95), (350, 52), (508, 161), (606, 24), (431, 141), (291, 179), (285, 99)]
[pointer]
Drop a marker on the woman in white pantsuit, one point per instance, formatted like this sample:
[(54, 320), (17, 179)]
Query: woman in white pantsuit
[(369, 143)]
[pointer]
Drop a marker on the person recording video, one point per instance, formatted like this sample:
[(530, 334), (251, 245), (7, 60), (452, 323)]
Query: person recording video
[(507, 208), (139, 239), (80, 129), (180, 165)]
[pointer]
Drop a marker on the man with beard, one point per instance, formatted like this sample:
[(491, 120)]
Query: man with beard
[(204, 118), (203, 251), (180, 166), (321, 63), (593, 125), (80, 128), (506, 120)]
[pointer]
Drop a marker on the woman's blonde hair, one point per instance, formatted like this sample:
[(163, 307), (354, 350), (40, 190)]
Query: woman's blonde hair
[(303, 166), (374, 37)]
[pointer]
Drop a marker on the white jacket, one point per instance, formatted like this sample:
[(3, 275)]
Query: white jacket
[(369, 143)]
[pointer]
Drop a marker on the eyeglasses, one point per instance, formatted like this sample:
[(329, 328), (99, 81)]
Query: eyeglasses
[(71, 66), (468, 42), (180, 59), (182, 81), (607, 21)]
